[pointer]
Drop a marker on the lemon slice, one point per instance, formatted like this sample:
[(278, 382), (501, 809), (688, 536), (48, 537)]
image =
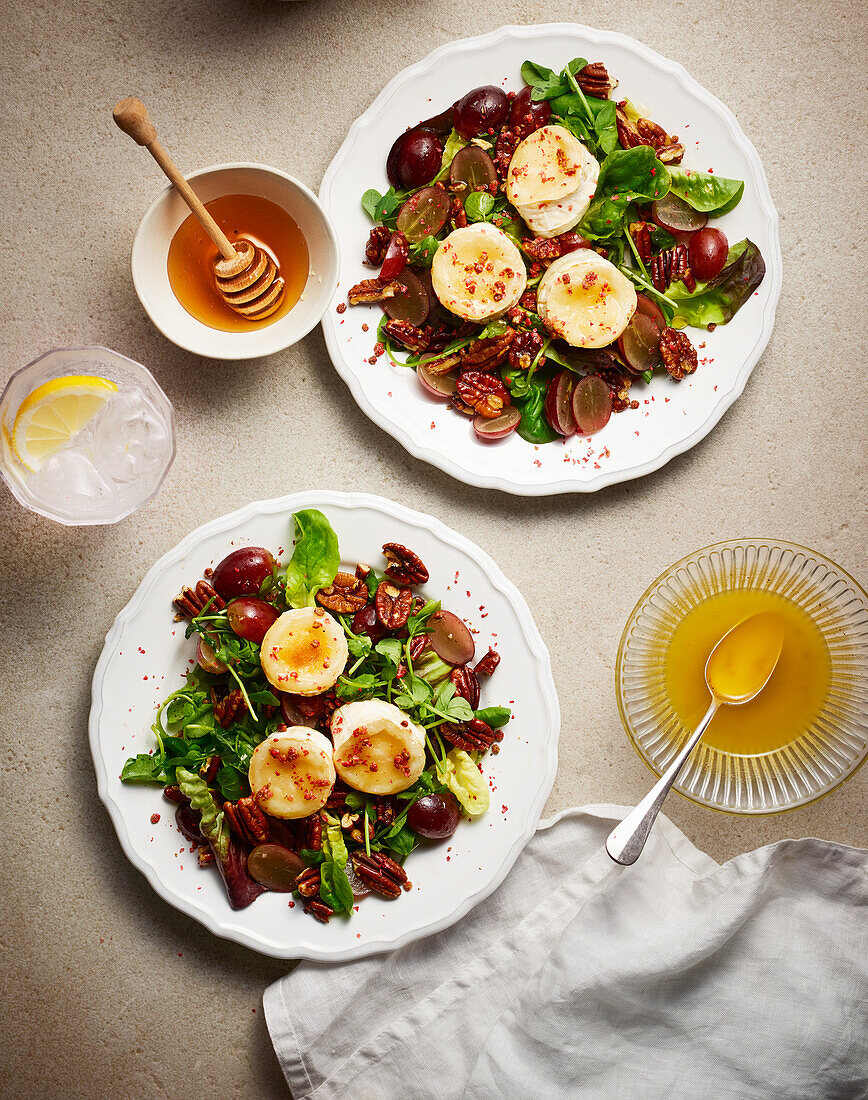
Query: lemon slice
[(55, 412)]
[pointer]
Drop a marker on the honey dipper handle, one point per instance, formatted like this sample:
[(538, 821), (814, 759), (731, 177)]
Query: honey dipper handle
[(133, 118)]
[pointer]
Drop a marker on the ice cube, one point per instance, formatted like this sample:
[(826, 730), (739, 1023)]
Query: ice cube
[(69, 479), (129, 438)]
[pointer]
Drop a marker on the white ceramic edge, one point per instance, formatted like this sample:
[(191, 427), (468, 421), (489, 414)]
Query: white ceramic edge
[(309, 948), (330, 280), (774, 265)]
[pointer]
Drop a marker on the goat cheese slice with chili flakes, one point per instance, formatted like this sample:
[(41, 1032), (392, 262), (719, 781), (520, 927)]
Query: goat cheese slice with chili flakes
[(585, 300), (478, 272), (551, 180)]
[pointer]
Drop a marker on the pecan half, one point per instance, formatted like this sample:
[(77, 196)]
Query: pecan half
[(411, 337), (645, 132), (641, 234), (487, 664), (671, 266), (525, 348), (460, 406), (227, 709), (320, 910), (393, 605), (383, 875), (594, 80), (466, 684), (346, 594), (418, 644), (371, 290), (314, 832), (472, 736), (488, 353), (457, 213), (441, 364), (209, 769), (308, 882), (191, 602), (378, 242), (247, 820), (405, 567), (483, 393), (385, 807), (337, 800), (679, 355)]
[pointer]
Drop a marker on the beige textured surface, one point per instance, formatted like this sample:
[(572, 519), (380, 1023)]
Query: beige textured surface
[(108, 991)]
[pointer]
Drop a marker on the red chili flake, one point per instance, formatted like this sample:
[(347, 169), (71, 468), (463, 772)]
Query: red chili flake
[(155, 818)]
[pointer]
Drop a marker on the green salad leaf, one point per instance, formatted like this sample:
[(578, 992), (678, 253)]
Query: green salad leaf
[(704, 191), (212, 823), (495, 716), (462, 776), (144, 768), (422, 252), (335, 889), (626, 176), (479, 205), (382, 208), (546, 83), (315, 559), (717, 301), (529, 396)]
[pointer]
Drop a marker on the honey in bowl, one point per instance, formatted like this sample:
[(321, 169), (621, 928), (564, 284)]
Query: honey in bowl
[(192, 254), (791, 700)]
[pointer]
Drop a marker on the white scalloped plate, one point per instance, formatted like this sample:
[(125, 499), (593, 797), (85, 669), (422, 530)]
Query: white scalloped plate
[(145, 655), (633, 443)]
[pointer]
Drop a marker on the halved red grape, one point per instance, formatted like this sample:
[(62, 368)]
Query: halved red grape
[(395, 260), (473, 169), (674, 214), (366, 622), (412, 303), (592, 404), (243, 572), (424, 214), (440, 124), (480, 111), (525, 115), (647, 305), (498, 428), (417, 159), (450, 638), (292, 715), (207, 659), (359, 888), (639, 343), (437, 385), (251, 617), (435, 816), (707, 253), (275, 867), (559, 403)]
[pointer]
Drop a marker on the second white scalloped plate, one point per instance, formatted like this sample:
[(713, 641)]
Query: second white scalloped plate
[(672, 418), (146, 653)]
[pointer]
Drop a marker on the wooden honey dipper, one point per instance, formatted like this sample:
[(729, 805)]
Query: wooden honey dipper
[(246, 277)]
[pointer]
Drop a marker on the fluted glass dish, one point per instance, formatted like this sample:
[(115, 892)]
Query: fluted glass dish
[(826, 753)]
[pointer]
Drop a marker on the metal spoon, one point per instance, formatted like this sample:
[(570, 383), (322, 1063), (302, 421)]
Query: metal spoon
[(735, 673)]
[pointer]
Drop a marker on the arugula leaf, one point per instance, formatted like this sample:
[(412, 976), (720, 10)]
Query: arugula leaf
[(315, 559), (717, 301), (704, 191), (495, 716), (627, 175)]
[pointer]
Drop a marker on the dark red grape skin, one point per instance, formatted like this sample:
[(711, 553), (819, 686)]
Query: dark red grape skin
[(435, 816), (366, 622), (250, 617), (526, 116), (414, 159), (243, 572), (395, 259), (707, 253), (481, 111)]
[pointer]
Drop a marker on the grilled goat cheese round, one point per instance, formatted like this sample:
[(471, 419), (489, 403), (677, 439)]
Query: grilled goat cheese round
[(585, 300), (551, 180)]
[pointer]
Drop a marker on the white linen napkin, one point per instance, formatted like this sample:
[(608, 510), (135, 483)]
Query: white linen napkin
[(674, 978)]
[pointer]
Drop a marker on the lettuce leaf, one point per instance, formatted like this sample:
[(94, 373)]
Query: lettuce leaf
[(212, 823), (466, 781), (704, 191), (315, 559), (627, 175), (335, 889), (717, 301)]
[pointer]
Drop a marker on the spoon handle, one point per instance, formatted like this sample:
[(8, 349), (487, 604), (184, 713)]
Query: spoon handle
[(626, 841)]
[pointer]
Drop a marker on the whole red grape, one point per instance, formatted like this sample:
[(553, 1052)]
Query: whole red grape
[(707, 253), (243, 572), (480, 111), (251, 617), (435, 816)]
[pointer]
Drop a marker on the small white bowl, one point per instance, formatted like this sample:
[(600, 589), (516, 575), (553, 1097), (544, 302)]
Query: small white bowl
[(168, 211)]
